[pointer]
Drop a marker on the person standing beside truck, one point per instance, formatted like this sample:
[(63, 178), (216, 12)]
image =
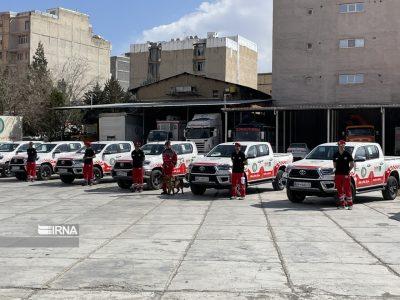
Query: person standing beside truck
[(343, 163), (137, 168), (31, 162), (88, 164), (170, 160), (238, 180)]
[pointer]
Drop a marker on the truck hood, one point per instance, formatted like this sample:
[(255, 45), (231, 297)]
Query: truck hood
[(212, 161), (312, 164), (152, 161), (71, 156)]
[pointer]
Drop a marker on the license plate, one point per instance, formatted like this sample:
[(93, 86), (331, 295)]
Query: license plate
[(202, 179), (14, 168), (62, 170), (302, 184), (119, 173)]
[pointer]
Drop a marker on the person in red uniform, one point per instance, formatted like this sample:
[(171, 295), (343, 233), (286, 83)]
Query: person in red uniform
[(170, 160), (31, 162), (137, 168), (343, 163), (88, 164), (238, 180)]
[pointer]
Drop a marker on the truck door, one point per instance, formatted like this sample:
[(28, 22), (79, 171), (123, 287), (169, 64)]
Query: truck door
[(180, 166), (265, 161), (111, 153), (375, 165), (360, 168), (188, 155), (253, 167)]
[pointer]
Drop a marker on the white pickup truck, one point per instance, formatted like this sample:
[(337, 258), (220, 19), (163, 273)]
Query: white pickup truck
[(214, 169), (314, 175), (186, 152), (47, 154), (71, 167)]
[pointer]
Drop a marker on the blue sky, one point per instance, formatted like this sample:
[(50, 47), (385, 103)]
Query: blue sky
[(123, 22)]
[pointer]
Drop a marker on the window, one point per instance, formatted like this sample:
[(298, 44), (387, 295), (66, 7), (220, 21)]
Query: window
[(74, 147), (187, 148), (310, 11), (1, 39), (124, 147), (199, 66), (20, 56), (1, 55), (372, 152), (351, 8), (1, 23), (262, 150), (309, 46), (199, 49), (22, 39), (62, 148), (177, 148), (215, 94), (111, 149), (361, 152), (351, 78), (27, 25), (252, 152), (351, 43)]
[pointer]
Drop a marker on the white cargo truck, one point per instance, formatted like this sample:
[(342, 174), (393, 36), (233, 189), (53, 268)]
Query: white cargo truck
[(10, 128), (170, 129), (205, 130), (120, 127)]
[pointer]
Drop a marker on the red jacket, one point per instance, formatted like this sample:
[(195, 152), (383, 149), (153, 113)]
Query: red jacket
[(169, 159)]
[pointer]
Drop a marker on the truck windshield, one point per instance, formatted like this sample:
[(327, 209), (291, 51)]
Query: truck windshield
[(153, 149), (361, 131), (223, 151), (8, 147), (158, 136), (326, 152), (198, 133), (248, 135), (45, 148), (97, 148)]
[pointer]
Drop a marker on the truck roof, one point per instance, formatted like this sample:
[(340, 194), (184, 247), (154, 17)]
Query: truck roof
[(351, 144), (110, 142), (172, 142), (360, 126), (244, 143)]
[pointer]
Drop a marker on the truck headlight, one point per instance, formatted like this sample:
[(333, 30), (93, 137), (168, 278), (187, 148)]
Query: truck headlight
[(224, 167), (327, 171)]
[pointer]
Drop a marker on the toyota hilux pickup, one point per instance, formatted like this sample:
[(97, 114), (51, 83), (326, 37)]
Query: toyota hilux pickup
[(70, 167), (8, 150), (314, 175), (47, 154), (186, 152), (214, 169)]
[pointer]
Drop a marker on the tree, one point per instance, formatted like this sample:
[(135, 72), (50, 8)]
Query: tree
[(94, 96), (39, 63), (114, 93)]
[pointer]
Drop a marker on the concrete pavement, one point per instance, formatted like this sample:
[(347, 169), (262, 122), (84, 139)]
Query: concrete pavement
[(148, 246)]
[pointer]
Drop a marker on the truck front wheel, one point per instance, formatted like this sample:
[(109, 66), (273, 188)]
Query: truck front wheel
[(97, 174), (391, 189), (124, 184), (197, 189), (6, 171), (155, 181), (277, 183), (295, 196), (68, 179), (45, 172)]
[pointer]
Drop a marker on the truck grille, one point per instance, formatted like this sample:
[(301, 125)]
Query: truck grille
[(304, 173), (200, 147), (64, 163), (203, 169), (17, 161), (123, 165)]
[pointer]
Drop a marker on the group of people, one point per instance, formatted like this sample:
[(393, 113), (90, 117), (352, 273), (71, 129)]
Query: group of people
[(343, 163)]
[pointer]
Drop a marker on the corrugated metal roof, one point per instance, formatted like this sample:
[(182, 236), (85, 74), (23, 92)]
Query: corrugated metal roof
[(180, 103)]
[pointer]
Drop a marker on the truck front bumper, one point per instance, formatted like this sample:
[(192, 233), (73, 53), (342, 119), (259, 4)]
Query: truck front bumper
[(69, 171), (18, 169), (122, 174), (311, 187), (217, 181)]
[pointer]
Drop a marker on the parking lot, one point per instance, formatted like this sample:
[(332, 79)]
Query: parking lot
[(185, 247)]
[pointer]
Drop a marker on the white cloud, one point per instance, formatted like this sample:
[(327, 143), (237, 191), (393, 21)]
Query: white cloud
[(251, 19)]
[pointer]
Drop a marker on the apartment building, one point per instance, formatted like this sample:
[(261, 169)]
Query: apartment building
[(120, 69), (264, 82), (336, 52), (232, 59), (67, 36)]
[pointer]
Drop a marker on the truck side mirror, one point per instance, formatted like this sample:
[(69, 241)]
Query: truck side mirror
[(360, 159), (229, 133), (262, 135)]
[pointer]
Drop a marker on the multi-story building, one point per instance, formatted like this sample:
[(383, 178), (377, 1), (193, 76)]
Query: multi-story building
[(264, 82), (232, 59), (65, 34), (120, 68), (336, 52)]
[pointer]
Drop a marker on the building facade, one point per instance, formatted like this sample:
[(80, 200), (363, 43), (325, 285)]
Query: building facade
[(336, 52), (264, 82), (232, 59), (66, 35), (120, 69)]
